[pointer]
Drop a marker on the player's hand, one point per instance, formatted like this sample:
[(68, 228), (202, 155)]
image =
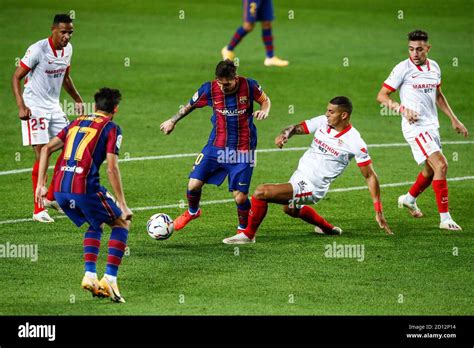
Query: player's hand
[(281, 140), (24, 113), (127, 214), (411, 115), (459, 128), (79, 108), (40, 193), (167, 127), (260, 115), (382, 222)]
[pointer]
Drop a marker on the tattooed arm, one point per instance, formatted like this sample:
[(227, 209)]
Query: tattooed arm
[(168, 126), (287, 133)]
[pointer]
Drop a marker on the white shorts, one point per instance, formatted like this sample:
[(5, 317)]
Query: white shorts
[(304, 192), (42, 126), (423, 143)]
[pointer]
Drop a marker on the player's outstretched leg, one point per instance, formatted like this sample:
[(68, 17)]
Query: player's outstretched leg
[(309, 214), (90, 282), (228, 51), (117, 243), (267, 38), (438, 162), (275, 193), (193, 195), (408, 200)]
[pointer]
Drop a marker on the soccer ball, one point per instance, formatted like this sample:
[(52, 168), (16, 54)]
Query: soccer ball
[(160, 226)]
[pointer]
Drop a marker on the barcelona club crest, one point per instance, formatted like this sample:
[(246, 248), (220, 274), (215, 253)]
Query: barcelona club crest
[(243, 100)]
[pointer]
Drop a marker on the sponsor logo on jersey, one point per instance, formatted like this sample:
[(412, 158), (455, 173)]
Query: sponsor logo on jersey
[(232, 112), (325, 148), (72, 169)]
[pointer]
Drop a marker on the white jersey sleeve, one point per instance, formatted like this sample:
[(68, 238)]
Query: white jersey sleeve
[(396, 77), (32, 57), (361, 153), (311, 125)]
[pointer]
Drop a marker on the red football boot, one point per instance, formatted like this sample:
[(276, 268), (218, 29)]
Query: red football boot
[(184, 219)]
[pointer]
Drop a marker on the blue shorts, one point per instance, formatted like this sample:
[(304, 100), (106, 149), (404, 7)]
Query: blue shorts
[(213, 164), (258, 10), (94, 208)]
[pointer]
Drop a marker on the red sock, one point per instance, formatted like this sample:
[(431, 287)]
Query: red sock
[(440, 188), (50, 195), (420, 185), (256, 215), (310, 215), (34, 179)]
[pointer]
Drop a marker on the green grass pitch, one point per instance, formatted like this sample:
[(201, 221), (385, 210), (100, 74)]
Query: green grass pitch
[(420, 270)]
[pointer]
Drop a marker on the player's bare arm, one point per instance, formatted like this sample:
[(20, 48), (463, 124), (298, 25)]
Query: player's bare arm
[(287, 133), (54, 145), (443, 104), (24, 112), (374, 189), (70, 88), (168, 126), (115, 180), (383, 97), (264, 110)]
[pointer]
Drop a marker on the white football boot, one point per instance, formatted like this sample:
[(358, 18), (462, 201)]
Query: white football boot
[(275, 61), (449, 224), (336, 231), (42, 216), (412, 207), (239, 238)]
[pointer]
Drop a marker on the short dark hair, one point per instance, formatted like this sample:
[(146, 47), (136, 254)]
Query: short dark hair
[(106, 99), (226, 69), (418, 35), (62, 18), (342, 102)]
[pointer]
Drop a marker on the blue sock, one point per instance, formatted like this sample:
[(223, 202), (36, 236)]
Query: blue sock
[(91, 248), (243, 214), (238, 35), (268, 41), (193, 200), (117, 245)]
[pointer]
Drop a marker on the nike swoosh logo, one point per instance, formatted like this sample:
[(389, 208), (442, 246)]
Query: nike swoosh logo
[(414, 76), (242, 184), (217, 102)]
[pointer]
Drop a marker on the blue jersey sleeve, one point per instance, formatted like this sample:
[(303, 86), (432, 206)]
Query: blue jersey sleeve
[(256, 91), (202, 97)]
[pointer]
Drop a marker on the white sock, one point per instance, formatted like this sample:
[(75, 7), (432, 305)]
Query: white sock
[(91, 274), (112, 279), (444, 216), (409, 198)]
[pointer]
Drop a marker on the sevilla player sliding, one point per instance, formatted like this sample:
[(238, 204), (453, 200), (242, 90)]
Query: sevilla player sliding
[(335, 143)]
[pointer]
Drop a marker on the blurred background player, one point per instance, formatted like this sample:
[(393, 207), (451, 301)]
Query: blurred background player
[(231, 146), (46, 65), (86, 143), (334, 144), (419, 81), (256, 11)]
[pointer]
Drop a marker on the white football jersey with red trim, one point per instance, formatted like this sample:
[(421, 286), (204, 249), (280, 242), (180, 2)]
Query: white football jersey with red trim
[(44, 80), (417, 85), (330, 152)]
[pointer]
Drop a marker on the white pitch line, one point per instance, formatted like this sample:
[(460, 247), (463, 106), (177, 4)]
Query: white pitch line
[(181, 155), (168, 206)]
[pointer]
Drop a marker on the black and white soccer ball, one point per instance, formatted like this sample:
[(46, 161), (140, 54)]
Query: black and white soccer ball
[(160, 226)]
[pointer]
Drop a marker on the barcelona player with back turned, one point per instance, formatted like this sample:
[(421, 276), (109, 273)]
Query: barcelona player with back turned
[(232, 142), (86, 143)]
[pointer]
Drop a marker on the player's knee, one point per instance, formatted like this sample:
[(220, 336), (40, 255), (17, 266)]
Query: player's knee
[(194, 185), (266, 25), (121, 222), (248, 27), (261, 192), (293, 212), (441, 167), (240, 198)]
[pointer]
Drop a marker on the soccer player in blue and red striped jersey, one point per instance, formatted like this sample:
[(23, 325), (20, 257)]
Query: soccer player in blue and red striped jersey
[(230, 150), (86, 143), (254, 11)]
